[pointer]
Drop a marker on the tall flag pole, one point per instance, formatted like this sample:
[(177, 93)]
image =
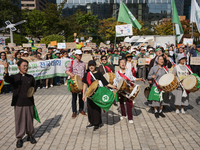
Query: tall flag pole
[(195, 14), (176, 20)]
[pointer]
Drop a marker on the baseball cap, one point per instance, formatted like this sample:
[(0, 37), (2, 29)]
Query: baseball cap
[(78, 52)]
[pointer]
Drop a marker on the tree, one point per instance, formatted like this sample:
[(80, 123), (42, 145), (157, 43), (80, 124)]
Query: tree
[(49, 38), (17, 39), (165, 28), (36, 24)]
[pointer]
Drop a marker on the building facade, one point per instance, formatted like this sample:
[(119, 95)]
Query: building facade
[(147, 10), (51, 1), (32, 4)]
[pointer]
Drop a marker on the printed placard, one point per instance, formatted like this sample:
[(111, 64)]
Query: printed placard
[(188, 41), (26, 45), (195, 61), (141, 61), (53, 43), (61, 45), (70, 45)]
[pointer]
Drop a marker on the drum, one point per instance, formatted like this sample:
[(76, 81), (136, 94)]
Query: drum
[(168, 82), (190, 83), (92, 88), (30, 92), (131, 92), (109, 77), (77, 86)]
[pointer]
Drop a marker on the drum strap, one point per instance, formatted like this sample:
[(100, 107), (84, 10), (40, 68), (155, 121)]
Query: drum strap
[(125, 77), (71, 65), (89, 74), (107, 68), (190, 70)]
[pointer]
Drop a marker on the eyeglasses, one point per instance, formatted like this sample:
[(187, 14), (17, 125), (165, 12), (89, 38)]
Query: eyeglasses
[(103, 59)]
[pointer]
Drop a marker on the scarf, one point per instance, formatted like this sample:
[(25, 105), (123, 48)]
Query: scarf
[(107, 68), (124, 52), (198, 53), (89, 78), (73, 57), (142, 53), (125, 77), (115, 54), (105, 64)]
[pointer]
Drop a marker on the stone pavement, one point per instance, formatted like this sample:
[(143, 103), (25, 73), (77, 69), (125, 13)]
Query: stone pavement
[(58, 131)]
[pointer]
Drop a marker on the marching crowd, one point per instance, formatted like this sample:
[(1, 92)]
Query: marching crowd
[(130, 71)]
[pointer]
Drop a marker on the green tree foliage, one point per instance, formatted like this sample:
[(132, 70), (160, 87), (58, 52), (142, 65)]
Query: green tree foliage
[(17, 39), (165, 28), (36, 23), (9, 10), (49, 38)]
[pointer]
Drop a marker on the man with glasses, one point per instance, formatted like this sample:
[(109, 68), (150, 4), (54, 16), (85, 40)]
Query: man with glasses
[(77, 68), (141, 68)]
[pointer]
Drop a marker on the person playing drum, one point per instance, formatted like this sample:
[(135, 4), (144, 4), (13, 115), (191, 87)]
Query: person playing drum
[(128, 76), (94, 111), (155, 100), (78, 68), (181, 71), (23, 105)]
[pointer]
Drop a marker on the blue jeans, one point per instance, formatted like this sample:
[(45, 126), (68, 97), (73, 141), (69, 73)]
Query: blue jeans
[(81, 103), (57, 80), (64, 79)]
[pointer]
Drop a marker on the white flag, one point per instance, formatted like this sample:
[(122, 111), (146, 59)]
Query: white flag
[(195, 14)]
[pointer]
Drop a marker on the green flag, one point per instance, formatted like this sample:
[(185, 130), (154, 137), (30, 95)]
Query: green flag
[(36, 116), (30, 41), (176, 20), (126, 16)]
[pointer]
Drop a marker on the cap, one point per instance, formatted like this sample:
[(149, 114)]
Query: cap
[(25, 52), (21, 51), (91, 62), (181, 56), (150, 49), (198, 46), (57, 52), (78, 52), (158, 49)]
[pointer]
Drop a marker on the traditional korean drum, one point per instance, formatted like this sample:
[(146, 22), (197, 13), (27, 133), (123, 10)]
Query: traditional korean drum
[(130, 92), (30, 92), (191, 83), (168, 82), (109, 77), (77, 86), (92, 88)]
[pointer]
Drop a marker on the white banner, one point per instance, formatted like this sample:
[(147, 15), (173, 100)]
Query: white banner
[(41, 69), (61, 45), (123, 30), (195, 14)]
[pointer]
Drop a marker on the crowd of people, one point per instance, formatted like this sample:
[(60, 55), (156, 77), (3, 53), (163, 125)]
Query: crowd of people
[(129, 70)]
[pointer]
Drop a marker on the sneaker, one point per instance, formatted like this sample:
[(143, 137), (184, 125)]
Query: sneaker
[(123, 117), (157, 114), (65, 83), (182, 111), (177, 111), (38, 88), (89, 126), (51, 85), (162, 115), (96, 128), (46, 87), (130, 121)]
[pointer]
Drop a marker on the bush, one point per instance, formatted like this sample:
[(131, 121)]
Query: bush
[(47, 39), (17, 39)]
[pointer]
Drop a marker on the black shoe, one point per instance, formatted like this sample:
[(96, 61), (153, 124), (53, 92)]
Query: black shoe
[(96, 128), (19, 143), (115, 104), (31, 139), (162, 115), (89, 126), (157, 115)]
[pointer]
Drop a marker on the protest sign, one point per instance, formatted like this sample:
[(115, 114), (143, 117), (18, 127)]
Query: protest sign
[(71, 45), (26, 45), (93, 45), (11, 45), (61, 45), (41, 69), (82, 38), (86, 48), (53, 43), (104, 45), (98, 58), (141, 61), (116, 61), (2, 40), (10, 57), (147, 61), (40, 45), (194, 60), (123, 30), (86, 58), (188, 41)]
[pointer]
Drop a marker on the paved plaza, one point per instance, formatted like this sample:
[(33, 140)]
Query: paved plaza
[(58, 130)]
